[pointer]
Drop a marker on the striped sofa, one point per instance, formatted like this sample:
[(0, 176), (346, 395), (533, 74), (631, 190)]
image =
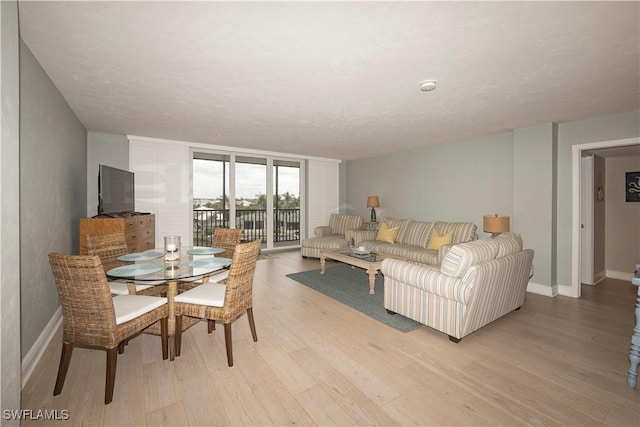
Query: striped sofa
[(477, 283), (330, 236), (413, 238)]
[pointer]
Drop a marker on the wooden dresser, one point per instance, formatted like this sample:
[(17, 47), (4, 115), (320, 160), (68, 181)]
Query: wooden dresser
[(139, 230)]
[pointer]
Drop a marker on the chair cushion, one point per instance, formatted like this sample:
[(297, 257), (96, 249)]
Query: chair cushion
[(118, 288), (210, 294), (128, 307)]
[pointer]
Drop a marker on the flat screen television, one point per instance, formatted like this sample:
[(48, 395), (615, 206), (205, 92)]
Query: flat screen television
[(116, 193)]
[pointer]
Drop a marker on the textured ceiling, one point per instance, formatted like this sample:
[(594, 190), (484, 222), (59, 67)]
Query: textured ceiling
[(335, 79)]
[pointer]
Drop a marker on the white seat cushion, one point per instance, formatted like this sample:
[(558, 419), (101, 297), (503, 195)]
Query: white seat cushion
[(210, 294), (128, 307), (118, 288)]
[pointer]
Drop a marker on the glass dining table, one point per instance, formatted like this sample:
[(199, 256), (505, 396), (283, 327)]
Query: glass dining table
[(149, 267)]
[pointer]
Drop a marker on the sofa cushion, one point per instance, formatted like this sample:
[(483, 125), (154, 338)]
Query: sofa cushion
[(328, 242), (387, 234), (415, 233), (340, 223), (438, 239), (394, 222), (508, 243), (462, 231), (462, 256)]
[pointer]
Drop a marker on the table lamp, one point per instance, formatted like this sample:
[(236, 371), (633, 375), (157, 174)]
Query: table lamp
[(373, 203), (495, 224)]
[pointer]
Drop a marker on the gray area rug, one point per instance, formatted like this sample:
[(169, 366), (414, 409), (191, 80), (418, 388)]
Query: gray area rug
[(350, 286)]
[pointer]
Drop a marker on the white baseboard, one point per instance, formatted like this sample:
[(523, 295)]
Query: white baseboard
[(620, 275), (33, 356), (540, 289), (599, 277)]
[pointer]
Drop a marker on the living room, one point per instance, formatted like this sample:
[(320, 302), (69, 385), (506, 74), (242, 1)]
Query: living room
[(522, 171)]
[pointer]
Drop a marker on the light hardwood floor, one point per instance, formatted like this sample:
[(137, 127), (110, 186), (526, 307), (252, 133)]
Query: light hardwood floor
[(557, 361)]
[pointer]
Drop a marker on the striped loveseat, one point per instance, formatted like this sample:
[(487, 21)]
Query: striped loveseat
[(477, 283), (330, 236), (413, 237)]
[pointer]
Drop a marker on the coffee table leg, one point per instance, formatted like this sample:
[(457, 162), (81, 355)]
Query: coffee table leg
[(372, 280), (322, 263)]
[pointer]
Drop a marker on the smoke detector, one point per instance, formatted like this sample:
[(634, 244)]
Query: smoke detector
[(428, 85)]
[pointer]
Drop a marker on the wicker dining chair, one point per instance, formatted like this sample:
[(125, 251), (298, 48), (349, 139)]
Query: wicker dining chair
[(224, 301), (225, 238), (109, 247), (93, 318)]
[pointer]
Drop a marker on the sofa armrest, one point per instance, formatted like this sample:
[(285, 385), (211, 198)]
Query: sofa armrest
[(427, 278), (359, 235), (322, 231), (442, 252)]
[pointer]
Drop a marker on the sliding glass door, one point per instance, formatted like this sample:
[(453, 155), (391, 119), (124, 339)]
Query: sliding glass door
[(259, 194), (286, 202)]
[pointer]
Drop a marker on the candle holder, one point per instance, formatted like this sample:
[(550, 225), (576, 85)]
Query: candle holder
[(171, 252)]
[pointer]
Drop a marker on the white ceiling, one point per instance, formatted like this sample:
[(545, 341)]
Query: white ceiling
[(335, 79)]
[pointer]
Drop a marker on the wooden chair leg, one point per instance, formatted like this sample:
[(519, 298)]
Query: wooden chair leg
[(65, 359), (164, 337), (229, 345), (211, 325), (178, 337), (112, 361), (252, 324), (121, 347)]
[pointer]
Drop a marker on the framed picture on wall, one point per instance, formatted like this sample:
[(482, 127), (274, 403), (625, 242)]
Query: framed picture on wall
[(632, 188)]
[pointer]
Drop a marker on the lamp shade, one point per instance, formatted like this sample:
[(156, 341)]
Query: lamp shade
[(495, 224), (373, 202)]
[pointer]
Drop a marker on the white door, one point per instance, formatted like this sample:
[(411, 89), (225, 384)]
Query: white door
[(586, 221)]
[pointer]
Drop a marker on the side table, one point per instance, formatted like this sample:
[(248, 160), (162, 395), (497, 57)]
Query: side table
[(634, 352), (371, 226)]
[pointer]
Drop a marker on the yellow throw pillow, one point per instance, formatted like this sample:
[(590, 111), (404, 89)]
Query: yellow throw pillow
[(438, 239), (387, 234)]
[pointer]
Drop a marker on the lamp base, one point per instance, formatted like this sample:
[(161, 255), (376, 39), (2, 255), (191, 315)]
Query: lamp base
[(373, 215)]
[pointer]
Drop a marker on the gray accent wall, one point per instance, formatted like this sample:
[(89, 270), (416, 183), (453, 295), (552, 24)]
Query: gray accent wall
[(461, 181), (107, 149), (525, 173), (534, 208), (10, 358), (53, 191)]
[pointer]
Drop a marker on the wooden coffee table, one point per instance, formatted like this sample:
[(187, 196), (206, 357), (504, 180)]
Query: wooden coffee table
[(370, 262)]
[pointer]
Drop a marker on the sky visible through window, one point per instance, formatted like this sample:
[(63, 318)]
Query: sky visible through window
[(207, 180)]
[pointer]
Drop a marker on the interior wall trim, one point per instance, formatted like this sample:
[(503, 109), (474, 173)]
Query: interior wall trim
[(35, 353)]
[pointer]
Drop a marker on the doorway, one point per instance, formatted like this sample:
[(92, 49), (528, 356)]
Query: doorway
[(577, 152)]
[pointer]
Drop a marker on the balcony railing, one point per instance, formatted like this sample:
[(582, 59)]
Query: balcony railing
[(286, 227)]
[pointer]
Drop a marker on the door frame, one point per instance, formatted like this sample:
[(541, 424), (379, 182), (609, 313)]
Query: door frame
[(576, 252), (586, 220)]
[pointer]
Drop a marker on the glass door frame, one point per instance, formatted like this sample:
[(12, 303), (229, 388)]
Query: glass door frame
[(269, 215)]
